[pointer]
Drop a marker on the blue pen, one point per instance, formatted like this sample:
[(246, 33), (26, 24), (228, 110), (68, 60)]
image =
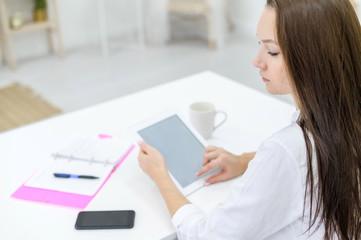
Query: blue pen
[(66, 175)]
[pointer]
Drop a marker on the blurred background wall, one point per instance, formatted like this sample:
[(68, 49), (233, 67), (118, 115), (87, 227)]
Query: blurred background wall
[(80, 22)]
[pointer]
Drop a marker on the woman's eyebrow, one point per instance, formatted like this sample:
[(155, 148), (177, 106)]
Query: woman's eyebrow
[(269, 41)]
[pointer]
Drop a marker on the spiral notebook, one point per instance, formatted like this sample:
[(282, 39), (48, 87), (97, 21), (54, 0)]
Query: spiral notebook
[(97, 157)]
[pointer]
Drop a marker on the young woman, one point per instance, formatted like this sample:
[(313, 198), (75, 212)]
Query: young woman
[(304, 181)]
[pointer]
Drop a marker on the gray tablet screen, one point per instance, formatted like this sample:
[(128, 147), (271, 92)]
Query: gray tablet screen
[(182, 151)]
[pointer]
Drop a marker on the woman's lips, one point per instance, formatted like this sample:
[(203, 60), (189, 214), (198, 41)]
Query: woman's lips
[(265, 79)]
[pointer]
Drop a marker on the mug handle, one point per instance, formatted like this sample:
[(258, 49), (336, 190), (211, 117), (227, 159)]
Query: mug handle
[(224, 119)]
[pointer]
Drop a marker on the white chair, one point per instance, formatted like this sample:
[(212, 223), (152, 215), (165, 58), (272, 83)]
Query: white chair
[(214, 12), (103, 26)]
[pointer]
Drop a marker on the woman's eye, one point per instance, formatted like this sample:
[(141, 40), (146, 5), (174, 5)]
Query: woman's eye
[(272, 53)]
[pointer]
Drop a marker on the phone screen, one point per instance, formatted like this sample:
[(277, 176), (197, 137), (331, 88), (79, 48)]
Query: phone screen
[(105, 219)]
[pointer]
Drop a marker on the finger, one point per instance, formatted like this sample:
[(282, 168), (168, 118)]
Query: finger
[(208, 157), (209, 166), (144, 147), (141, 145), (210, 149), (216, 178), (141, 156)]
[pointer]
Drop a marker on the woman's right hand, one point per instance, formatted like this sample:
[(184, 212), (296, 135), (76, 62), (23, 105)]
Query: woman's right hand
[(152, 162), (232, 165)]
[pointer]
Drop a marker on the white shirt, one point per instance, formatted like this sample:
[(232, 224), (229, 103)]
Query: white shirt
[(265, 203)]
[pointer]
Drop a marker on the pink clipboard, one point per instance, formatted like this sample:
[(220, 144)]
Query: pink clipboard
[(62, 198)]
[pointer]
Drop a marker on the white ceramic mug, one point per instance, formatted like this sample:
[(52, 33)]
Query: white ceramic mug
[(202, 116)]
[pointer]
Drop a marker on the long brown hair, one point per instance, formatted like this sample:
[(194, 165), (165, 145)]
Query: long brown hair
[(321, 44)]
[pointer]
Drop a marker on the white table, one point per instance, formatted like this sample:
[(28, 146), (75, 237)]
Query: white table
[(252, 117)]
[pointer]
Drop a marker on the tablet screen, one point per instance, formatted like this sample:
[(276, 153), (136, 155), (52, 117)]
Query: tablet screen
[(182, 151)]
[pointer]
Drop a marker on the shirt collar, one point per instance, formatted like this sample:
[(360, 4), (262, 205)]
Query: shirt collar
[(295, 115)]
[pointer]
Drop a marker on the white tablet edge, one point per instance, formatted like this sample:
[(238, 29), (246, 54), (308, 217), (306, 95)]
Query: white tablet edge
[(161, 116)]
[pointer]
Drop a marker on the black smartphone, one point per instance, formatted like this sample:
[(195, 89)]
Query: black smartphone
[(105, 219)]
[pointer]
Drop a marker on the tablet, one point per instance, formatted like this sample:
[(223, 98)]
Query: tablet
[(181, 146)]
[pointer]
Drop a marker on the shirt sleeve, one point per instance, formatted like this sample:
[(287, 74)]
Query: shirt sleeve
[(267, 198)]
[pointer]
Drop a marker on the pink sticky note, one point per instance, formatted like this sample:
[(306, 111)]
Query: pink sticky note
[(102, 136)]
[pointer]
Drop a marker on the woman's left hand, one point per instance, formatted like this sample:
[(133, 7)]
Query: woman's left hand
[(232, 165), (152, 162)]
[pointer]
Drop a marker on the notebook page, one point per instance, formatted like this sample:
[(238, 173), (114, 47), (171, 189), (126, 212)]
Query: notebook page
[(44, 177), (93, 149), (80, 156)]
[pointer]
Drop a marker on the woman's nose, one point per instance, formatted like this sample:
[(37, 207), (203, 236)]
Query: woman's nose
[(259, 63)]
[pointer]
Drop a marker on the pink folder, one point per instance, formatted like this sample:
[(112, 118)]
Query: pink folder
[(62, 198)]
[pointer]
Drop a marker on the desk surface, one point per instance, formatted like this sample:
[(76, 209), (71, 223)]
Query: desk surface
[(252, 117)]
